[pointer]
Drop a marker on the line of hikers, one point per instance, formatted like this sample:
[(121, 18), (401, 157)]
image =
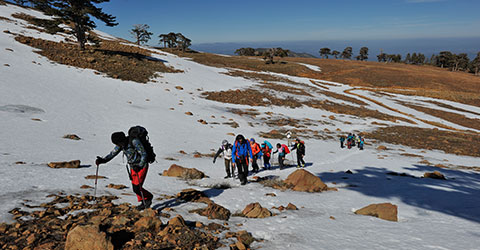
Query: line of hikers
[(352, 140), (242, 152)]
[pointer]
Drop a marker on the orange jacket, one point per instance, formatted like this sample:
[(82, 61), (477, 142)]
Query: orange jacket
[(255, 148)]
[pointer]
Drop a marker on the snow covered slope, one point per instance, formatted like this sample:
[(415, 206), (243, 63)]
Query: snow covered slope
[(41, 101)]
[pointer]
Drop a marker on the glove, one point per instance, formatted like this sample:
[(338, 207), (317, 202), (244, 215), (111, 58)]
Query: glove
[(100, 160)]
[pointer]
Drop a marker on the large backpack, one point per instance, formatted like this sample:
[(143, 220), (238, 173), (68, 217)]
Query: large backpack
[(141, 134), (286, 150)]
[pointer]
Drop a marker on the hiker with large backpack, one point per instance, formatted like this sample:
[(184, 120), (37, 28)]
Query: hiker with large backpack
[(257, 153), (300, 147), (267, 152), (282, 151), (139, 153), (241, 155), (342, 140), (226, 149)]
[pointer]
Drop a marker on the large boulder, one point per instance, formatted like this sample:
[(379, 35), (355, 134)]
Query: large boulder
[(87, 237), (385, 211), (214, 211), (304, 181), (185, 173), (255, 210), (65, 164)]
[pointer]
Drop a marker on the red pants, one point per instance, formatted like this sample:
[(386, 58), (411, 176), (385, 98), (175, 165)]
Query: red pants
[(138, 177)]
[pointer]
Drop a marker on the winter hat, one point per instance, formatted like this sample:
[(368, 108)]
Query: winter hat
[(239, 137), (224, 142), (279, 145), (252, 140), (118, 137)]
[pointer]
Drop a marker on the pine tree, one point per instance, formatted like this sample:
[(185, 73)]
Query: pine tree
[(347, 53), (475, 64), (324, 52), (78, 13), (335, 53), (140, 33), (363, 55)]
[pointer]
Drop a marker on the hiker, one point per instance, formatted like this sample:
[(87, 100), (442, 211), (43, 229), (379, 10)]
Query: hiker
[(137, 159), (342, 140), (256, 151), (354, 139), (349, 140), (361, 143), (359, 138), (226, 151), (300, 147), (282, 151), (241, 154), (267, 152)]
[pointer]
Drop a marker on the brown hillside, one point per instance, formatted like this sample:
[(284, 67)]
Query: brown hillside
[(397, 77)]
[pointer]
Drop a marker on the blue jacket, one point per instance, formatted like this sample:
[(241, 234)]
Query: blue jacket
[(241, 151), (135, 153)]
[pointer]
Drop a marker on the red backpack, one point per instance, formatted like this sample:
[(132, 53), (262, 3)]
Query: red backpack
[(286, 150)]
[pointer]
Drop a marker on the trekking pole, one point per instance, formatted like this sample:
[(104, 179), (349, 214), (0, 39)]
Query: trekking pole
[(95, 192)]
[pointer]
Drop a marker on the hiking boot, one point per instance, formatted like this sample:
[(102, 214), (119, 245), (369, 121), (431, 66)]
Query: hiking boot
[(226, 177), (144, 205)]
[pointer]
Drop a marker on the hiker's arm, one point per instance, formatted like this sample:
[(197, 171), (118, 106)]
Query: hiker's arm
[(112, 154), (220, 150), (234, 148), (294, 147), (250, 150), (141, 151)]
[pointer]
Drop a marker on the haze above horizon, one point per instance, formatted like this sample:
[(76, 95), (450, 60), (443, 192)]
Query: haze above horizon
[(213, 21)]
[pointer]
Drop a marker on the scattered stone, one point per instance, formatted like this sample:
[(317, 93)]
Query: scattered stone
[(179, 87), (65, 164), (213, 211), (203, 122), (188, 113), (304, 181), (331, 117), (182, 152), (87, 237), (332, 218), (434, 175), (185, 173), (270, 194), (193, 195), (381, 147), (6, 65), (290, 206), (8, 49), (245, 237), (116, 186), (36, 119), (385, 211), (20, 163), (86, 187), (92, 177), (231, 134), (72, 137), (255, 210)]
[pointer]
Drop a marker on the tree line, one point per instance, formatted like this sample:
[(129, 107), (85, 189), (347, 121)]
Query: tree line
[(268, 54), (78, 13), (445, 59)]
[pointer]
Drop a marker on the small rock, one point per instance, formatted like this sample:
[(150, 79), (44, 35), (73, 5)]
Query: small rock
[(72, 137), (255, 210), (87, 237), (92, 177), (116, 186), (385, 211), (64, 164), (179, 87), (86, 187), (434, 175), (290, 206), (20, 163), (381, 147), (188, 113), (270, 194), (332, 218)]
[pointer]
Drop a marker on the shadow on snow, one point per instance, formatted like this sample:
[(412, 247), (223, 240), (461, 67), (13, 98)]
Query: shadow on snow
[(458, 196)]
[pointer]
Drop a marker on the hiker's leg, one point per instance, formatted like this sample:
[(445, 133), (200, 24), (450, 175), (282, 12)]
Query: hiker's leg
[(138, 178), (227, 167)]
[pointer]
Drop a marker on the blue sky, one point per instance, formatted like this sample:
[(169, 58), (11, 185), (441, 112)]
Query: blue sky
[(209, 21)]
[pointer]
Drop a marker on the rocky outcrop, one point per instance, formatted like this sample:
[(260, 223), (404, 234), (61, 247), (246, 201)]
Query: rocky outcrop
[(213, 211), (304, 181), (87, 237), (255, 210), (385, 211), (434, 175), (182, 172), (65, 164)]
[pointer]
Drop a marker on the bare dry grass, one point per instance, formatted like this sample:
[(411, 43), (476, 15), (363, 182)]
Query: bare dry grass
[(443, 105), (432, 139), (259, 76), (418, 80), (448, 116), (251, 97), (112, 58), (248, 63)]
